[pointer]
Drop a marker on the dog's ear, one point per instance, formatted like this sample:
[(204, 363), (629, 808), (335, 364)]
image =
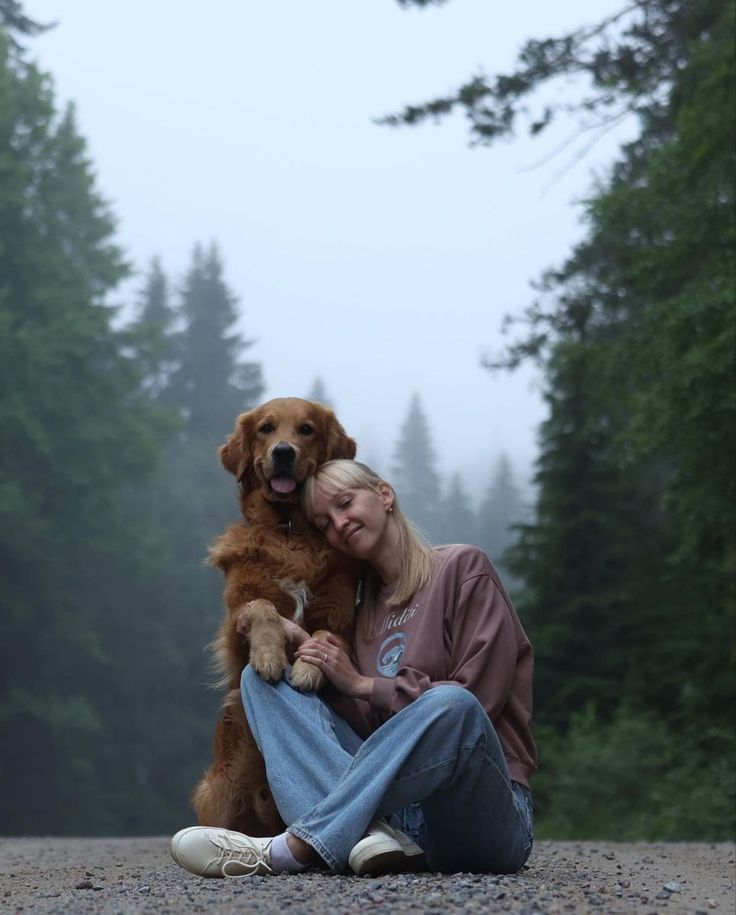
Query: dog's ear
[(236, 453), (338, 443)]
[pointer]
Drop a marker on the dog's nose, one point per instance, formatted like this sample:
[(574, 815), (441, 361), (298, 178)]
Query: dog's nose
[(283, 453)]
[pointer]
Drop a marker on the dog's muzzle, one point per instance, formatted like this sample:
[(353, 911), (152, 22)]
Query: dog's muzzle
[(282, 480)]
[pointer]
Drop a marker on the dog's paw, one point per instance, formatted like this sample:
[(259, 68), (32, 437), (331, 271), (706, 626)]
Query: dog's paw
[(306, 677), (268, 663)]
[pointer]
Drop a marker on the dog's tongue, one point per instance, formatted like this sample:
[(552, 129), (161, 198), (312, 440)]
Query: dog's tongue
[(283, 485)]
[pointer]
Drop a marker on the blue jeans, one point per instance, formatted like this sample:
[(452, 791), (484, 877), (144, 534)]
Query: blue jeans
[(441, 752)]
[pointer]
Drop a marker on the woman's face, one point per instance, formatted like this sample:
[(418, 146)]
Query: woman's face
[(354, 521)]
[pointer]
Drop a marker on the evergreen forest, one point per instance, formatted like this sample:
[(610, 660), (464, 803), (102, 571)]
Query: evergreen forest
[(620, 559)]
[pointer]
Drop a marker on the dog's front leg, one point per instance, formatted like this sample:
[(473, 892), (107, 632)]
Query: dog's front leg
[(308, 677), (260, 622)]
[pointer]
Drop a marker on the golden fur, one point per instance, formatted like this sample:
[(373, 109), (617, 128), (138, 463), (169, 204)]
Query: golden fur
[(275, 564)]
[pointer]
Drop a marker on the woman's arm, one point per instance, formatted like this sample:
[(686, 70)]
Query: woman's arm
[(482, 648)]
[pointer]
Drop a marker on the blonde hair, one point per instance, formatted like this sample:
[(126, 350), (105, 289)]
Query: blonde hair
[(415, 554)]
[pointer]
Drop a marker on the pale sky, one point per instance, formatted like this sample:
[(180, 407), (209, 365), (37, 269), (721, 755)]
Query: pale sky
[(382, 260)]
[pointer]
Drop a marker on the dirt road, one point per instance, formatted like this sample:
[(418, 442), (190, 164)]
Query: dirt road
[(131, 876)]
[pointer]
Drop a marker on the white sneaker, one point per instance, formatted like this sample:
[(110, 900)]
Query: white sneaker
[(213, 852), (385, 850)]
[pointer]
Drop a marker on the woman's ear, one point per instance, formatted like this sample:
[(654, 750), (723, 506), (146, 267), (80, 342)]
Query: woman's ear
[(387, 495)]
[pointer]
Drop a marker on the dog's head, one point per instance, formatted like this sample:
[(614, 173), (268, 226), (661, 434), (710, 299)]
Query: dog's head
[(277, 445)]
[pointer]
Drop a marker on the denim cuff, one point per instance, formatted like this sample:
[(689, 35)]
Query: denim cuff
[(321, 850)]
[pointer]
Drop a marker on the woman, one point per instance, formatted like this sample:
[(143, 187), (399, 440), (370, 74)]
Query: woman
[(428, 720)]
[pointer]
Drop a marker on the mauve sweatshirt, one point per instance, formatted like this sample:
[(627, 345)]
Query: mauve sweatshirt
[(460, 628)]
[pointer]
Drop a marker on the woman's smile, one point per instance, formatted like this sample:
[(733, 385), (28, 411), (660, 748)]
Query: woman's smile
[(351, 533)]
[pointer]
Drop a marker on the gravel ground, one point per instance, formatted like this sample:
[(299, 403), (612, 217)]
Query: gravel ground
[(126, 876)]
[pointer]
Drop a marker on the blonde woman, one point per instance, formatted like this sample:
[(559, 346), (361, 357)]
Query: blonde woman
[(426, 722)]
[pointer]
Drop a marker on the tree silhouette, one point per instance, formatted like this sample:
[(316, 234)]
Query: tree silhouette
[(414, 473)]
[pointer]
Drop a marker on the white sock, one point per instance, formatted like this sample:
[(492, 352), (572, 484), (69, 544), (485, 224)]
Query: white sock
[(282, 859)]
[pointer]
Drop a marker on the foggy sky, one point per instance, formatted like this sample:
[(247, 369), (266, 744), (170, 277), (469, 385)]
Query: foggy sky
[(382, 260)]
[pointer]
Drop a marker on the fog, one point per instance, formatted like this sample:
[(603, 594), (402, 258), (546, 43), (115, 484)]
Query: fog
[(381, 260)]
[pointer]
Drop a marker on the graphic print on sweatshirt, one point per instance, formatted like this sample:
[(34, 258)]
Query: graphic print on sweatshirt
[(393, 647)]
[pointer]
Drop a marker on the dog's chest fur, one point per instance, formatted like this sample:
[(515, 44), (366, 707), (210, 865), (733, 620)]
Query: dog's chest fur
[(257, 559)]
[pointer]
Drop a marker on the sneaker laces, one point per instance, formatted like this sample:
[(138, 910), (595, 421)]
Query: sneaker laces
[(244, 858)]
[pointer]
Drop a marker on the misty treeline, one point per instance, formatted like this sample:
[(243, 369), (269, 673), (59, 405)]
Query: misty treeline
[(623, 570), (442, 510)]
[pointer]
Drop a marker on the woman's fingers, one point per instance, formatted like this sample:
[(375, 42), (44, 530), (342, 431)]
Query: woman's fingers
[(313, 650)]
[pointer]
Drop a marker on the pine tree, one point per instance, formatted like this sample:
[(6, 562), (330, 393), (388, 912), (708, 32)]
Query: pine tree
[(500, 509), (155, 340), (76, 429), (414, 473), (319, 394), (189, 501), (648, 295), (590, 560), (459, 524), (629, 566), (211, 384)]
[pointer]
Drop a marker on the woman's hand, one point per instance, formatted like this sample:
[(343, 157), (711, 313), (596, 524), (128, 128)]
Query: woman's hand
[(334, 662)]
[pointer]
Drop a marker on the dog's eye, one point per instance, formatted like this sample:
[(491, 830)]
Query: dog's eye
[(306, 429), (266, 428)]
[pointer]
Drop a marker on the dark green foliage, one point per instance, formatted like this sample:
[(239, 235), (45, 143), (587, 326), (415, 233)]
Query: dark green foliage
[(13, 20), (76, 429), (634, 777), (628, 566), (640, 344), (630, 59), (591, 561), (110, 491)]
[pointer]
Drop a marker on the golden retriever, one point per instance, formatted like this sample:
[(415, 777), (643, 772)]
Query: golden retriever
[(275, 564)]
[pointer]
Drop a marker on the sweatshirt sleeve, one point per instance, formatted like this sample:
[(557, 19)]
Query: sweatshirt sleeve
[(482, 652)]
